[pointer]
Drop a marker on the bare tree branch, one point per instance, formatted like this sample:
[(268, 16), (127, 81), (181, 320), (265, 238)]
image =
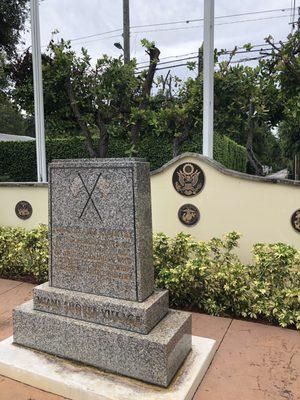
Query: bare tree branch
[(146, 90)]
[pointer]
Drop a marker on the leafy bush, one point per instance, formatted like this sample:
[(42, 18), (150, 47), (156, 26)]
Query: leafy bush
[(24, 253), (210, 276), (18, 159)]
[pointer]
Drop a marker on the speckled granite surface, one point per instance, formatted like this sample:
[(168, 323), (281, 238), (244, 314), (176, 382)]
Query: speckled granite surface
[(100, 307), (153, 358), (131, 315), (101, 228)]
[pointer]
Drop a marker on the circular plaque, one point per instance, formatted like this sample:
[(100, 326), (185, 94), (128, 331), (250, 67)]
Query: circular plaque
[(23, 209), (188, 214), (295, 220), (188, 179)]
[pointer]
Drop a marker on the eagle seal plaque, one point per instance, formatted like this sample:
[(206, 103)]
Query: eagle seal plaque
[(23, 209), (188, 179)]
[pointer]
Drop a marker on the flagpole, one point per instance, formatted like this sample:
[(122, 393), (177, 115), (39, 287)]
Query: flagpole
[(38, 93), (208, 78)]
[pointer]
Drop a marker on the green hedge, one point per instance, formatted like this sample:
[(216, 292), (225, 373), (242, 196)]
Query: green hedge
[(18, 159), (208, 276), (24, 253)]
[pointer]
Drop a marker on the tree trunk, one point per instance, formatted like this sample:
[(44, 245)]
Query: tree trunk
[(104, 137), (254, 162), (85, 130), (177, 142)]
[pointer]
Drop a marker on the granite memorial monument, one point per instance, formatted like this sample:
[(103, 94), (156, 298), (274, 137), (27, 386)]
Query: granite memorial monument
[(100, 307)]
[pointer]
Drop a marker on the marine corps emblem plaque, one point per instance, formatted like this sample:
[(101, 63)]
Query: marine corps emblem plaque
[(188, 179), (189, 214), (295, 220)]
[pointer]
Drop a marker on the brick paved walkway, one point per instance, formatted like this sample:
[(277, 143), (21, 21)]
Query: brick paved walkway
[(253, 361)]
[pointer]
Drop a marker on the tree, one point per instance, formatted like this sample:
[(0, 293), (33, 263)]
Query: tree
[(13, 14), (99, 101), (11, 120), (284, 66)]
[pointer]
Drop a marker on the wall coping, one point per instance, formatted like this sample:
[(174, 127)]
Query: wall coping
[(219, 167), (23, 184)]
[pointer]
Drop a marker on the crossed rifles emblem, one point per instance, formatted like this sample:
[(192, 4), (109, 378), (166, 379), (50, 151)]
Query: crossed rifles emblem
[(90, 194)]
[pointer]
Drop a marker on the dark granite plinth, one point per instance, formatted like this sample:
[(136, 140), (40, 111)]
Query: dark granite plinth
[(100, 227), (153, 358), (131, 315)]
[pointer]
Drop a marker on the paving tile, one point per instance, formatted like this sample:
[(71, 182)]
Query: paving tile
[(5, 326), (7, 284), (13, 390), (210, 327), (15, 296), (254, 362)]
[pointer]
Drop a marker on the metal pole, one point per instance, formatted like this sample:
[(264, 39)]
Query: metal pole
[(38, 92), (126, 31), (208, 78)]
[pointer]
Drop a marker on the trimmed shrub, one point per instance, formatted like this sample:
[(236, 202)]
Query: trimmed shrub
[(18, 159), (24, 253), (207, 276), (210, 277)]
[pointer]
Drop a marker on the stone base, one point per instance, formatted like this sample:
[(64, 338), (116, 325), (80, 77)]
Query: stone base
[(123, 314), (76, 382), (153, 358)]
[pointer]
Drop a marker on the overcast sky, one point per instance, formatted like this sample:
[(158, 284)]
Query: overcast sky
[(77, 18)]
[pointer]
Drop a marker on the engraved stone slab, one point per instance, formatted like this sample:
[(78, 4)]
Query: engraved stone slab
[(134, 316), (100, 227), (153, 358)]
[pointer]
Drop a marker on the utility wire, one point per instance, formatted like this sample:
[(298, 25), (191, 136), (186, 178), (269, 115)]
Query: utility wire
[(222, 23), (219, 53), (231, 62), (196, 52), (180, 22), (95, 34), (183, 28), (196, 56), (217, 17)]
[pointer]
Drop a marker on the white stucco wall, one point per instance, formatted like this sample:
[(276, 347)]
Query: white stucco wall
[(259, 210), (36, 194)]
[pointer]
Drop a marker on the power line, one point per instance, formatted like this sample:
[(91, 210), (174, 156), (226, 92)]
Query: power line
[(231, 62), (95, 34), (196, 57), (95, 40), (240, 50), (196, 52), (222, 23), (179, 22), (182, 28), (217, 17)]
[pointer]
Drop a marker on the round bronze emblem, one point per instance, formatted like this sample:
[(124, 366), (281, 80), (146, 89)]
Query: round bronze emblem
[(188, 214), (23, 209), (188, 179), (295, 220)]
